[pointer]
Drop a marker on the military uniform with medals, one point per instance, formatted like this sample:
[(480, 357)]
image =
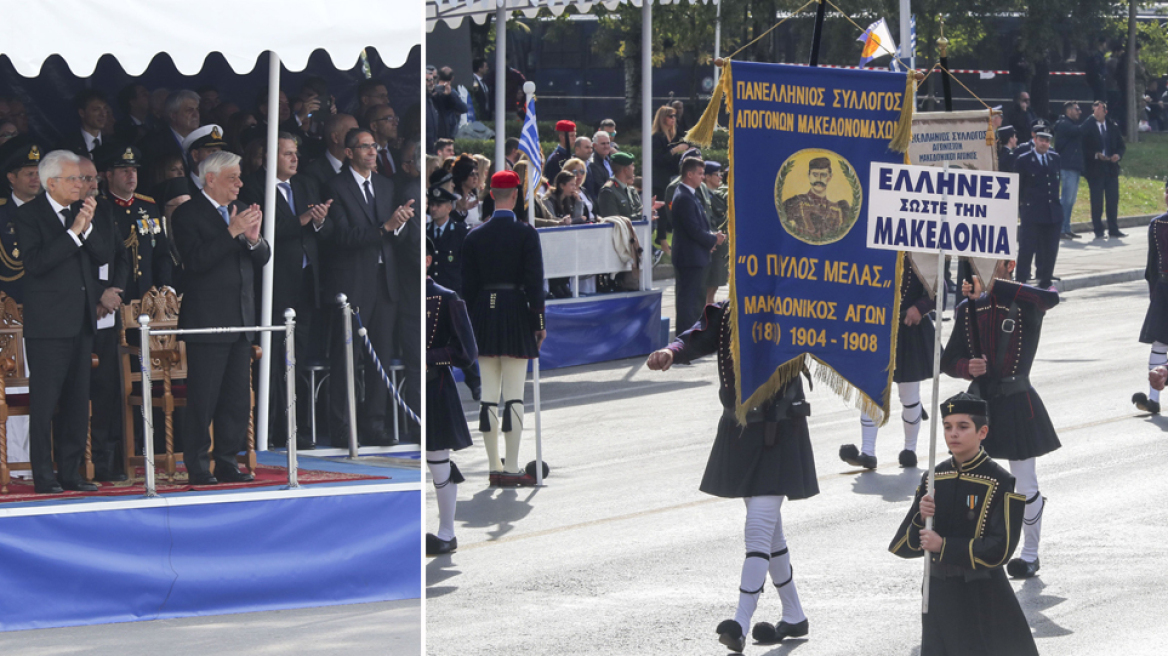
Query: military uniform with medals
[(619, 199), (11, 264)]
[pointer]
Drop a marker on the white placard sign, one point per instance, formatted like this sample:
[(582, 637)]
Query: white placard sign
[(961, 212)]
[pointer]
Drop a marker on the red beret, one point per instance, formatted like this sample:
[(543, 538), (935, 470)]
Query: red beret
[(565, 126), (505, 180)]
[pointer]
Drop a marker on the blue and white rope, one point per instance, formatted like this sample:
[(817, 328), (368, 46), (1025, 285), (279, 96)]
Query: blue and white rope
[(381, 370)]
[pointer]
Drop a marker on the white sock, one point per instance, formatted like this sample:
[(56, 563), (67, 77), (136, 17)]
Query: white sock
[(1026, 484), (762, 514), (783, 577), (910, 398), (514, 436), (1158, 357), (445, 489), (868, 431)]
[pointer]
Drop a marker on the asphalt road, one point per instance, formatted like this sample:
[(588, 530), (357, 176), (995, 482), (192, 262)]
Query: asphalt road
[(621, 554)]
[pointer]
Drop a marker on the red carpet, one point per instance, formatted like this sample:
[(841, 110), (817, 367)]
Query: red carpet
[(265, 475)]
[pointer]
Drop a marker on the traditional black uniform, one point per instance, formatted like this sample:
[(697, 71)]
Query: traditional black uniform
[(1155, 328), (762, 462), (450, 343), (972, 608)]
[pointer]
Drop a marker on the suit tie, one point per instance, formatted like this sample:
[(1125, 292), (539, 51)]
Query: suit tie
[(96, 143), (223, 213), (288, 195), (1103, 137), (370, 199), (66, 217), (385, 164)]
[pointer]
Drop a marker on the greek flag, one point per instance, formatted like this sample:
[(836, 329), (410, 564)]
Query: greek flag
[(912, 47), (529, 145)]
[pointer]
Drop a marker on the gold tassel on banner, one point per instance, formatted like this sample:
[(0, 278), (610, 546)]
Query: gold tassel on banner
[(902, 136), (702, 134), (991, 138)]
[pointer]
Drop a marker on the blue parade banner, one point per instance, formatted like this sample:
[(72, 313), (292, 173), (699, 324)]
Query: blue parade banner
[(804, 285)]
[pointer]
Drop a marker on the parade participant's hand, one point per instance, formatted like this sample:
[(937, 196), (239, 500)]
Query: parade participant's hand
[(913, 316), (660, 360), (84, 216), (930, 541), (540, 335), (721, 238), (111, 299), (316, 214), (977, 367), (928, 506), (400, 216), (1158, 377)]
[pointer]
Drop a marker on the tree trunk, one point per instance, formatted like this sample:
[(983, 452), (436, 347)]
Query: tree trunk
[(1132, 104), (632, 81)]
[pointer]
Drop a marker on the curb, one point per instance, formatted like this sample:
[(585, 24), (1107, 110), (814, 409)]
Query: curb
[(1098, 280), (1140, 220)]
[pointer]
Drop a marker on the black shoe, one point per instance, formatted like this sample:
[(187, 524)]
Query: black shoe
[(1144, 404), (1099, 235), (109, 477), (768, 634), (851, 455), (908, 459), (1075, 235), (476, 392), (305, 444), (1022, 569), (1067, 235), (730, 634), (78, 486), (436, 546), (51, 488), (225, 475), (1116, 235), (202, 479)]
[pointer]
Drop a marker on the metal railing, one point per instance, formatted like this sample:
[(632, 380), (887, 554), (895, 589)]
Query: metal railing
[(289, 330)]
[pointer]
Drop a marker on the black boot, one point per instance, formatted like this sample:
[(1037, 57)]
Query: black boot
[(730, 634), (851, 455), (768, 634)]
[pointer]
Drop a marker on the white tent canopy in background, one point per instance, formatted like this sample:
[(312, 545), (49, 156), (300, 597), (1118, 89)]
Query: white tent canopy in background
[(135, 31), (452, 12)]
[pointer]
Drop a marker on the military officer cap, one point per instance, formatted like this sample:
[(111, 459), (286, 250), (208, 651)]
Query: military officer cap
[(1005, 132), (819, 163), (113, 155), (505, 180), (693, 152), (565, 126), (622, 159), (713, 167), (440, 195), (208, 136), (965, 404), (1040, 128), (27, 155)]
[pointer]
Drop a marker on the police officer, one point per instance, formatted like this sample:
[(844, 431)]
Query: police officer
[(1040, 209), (1007, 143), (21, 169), (447, 236)]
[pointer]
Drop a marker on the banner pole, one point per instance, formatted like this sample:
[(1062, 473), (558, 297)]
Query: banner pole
[(147, 405), (817, 35), (538, 432), (936, 417)]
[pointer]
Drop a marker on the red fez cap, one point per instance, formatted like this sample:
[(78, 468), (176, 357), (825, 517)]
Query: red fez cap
[(565, 126), (505, 180)]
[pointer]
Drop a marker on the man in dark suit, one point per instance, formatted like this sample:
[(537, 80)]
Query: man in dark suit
[(370, 237), (221, 247), (134, 104), (1040, 209), (599, 168), (94, 114), (692, 243), (1103, 147), (326, 167), (62, 250), (382, 121), (182, 118), (300, 228), (481, 95)]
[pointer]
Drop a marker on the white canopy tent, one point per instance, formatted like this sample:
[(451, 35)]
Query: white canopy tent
[(452, 12), (135, 31)]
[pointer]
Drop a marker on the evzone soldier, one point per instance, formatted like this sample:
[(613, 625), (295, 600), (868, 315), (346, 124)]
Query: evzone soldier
[(450, 343), (25, 182), (914, 363), (502, 278), (997, 353), (764, 462), (977, 519), (1155, 329)]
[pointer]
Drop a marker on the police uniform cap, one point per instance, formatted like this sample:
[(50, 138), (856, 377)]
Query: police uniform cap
[(1005, 132), (622, 159), (713, 167), (965, 404), (26, 155), (113, 155), (440, 177), (819, 163), (505, 180), (565, 126), (1040, 128), (693, 152), (208, 136), (440, 195)]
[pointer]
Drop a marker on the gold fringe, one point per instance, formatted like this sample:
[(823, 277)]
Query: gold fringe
[(991, 138), (702, 133), (902, 136)]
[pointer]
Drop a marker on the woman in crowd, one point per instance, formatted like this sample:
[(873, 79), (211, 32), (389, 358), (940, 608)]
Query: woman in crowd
[(580, 170), (666, 160), (466, 185), (564, 200)]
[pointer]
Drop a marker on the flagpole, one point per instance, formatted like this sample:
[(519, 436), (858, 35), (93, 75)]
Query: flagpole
[(529, 91), (817, 35), (906, 32)]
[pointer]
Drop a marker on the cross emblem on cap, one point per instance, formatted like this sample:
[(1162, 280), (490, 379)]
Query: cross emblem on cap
[(950, 406)]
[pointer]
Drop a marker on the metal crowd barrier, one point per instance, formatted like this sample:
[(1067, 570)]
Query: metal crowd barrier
[(289, 329)]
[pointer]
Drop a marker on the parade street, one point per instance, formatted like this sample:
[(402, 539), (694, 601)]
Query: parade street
[(621, 554)]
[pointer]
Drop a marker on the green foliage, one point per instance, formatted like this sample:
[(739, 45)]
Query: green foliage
[(486, 148)]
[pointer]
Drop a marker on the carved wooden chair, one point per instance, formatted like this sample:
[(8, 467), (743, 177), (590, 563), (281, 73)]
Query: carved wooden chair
[(12, 374), (168, 374)]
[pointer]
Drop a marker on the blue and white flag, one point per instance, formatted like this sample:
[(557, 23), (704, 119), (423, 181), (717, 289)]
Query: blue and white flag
[(912, 47), (529, 145)]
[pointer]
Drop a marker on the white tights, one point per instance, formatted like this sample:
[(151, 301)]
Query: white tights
[(1026, 484), (503, 376), (1158, 357), (445, 488), (766, 550), (910, 398)]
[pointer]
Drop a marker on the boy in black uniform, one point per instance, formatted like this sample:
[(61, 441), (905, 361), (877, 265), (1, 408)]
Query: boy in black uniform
[(449, 342), (763, 463), (1155, 329), (998, 359), (977, 521)]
